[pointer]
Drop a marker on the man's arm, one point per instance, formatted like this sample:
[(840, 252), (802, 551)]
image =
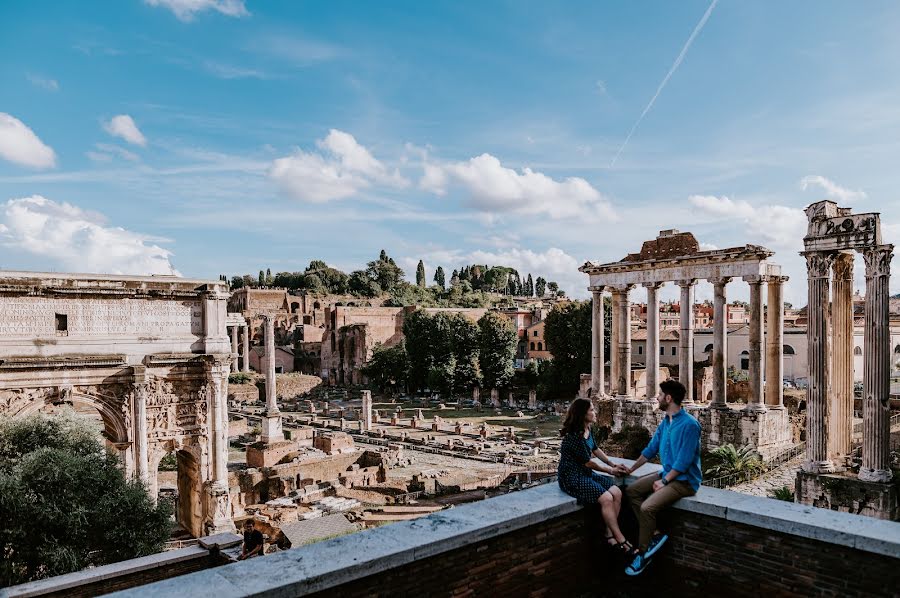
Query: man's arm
[(686, 444)]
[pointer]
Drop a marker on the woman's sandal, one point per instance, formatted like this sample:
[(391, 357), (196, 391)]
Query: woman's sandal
[(624, 547)]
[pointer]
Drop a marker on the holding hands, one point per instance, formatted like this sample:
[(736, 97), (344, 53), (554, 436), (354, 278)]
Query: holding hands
[(621, 470)]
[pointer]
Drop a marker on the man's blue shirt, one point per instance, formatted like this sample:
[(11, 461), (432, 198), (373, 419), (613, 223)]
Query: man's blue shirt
[(677, 441)]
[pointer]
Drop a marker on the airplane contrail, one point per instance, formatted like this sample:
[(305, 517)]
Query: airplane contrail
[(668, 76)]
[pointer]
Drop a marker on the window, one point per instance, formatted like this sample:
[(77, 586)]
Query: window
[(62, 324), (535, 333), (857, 351), (674, 350), (662, 350), (640, 349), (540, 346), (745, 360), (532, 345), (787, 350)]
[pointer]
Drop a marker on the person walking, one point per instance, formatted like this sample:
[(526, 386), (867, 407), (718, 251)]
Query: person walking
[(576, 472), (677, 442)]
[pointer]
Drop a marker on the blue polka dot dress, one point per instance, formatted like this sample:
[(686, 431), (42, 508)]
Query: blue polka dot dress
[(575, 479)]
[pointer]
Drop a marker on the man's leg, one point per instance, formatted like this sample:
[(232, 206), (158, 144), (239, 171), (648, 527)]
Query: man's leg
[(656, 502), (637, 492)]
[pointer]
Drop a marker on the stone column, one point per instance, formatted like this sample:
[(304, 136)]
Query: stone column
[(818, 266), (597, 353), (140, 391), (755, 400), (218, 505), (686, 338), (246, 364), (652, 356), (840, 411), (271, 428), (366, 410), (720, 343), (614, 333), (775, 343), (234, 348), (624, 343), (876, 459)]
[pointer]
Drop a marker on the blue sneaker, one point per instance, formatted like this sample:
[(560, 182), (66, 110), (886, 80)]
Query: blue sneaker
[(656, 543), (638, 565)]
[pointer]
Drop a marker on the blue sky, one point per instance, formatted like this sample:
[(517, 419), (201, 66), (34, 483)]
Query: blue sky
[(221, 136)]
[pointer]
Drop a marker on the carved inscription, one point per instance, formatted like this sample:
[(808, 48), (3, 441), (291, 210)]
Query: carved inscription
[(36, 317), (845, 225)]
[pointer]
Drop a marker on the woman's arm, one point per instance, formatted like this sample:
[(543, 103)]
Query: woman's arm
[(598, 452), (591, 464)]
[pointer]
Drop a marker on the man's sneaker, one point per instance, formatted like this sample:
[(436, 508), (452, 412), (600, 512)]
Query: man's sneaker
[(638, 565), (656, 543)]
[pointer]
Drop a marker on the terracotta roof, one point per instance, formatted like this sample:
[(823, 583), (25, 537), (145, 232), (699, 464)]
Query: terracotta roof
[(664, 335)]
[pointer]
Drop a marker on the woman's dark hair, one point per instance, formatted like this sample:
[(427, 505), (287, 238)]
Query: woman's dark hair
[(674, 389), (575, 417)]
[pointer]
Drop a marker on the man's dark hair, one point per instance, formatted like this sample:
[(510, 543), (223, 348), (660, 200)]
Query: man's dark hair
[(674, 389)]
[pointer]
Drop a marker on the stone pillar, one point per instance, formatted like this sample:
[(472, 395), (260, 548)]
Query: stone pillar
[(366, 410), (532, 399), (271, 428), (218, 508), (652, 356), (686, 338), (775, 343), (140, 391), (234, 348), (720, 343), (876, 459), (614, 333), (624, 343), (840, 397), (755, 400), (214, 310), (246, 363), (818, 266), (598, 356)]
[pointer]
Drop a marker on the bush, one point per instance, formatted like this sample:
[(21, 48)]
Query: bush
[(66, 503), (731, 460), (783, 493), (169, 462), (240, 378)]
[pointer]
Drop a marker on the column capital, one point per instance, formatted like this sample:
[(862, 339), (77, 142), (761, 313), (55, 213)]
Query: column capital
[(687, 282), (720, 281), (756, 279), (620, 288), (818, 263), (778, 279), (878, 260), (597, 289), (842, 267), (653, 285)]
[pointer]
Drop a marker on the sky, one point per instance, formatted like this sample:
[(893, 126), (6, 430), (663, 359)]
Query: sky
[(207, 137)]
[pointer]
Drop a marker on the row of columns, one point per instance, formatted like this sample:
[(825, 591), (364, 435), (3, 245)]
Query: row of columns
[(830, 345), (245, 362), (771, 395)]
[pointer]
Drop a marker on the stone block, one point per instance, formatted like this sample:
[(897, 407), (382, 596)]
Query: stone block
[(848, 494), (268, 455)]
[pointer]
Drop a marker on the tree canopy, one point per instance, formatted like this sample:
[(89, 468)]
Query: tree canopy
[(568, 334), (497, 344), (66, 503)]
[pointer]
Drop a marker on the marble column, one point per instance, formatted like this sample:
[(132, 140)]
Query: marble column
[(755, 400), (840, 396), (818, 267), (271, 421), (686, 338), (139, 430), (775, 343), (720, 343), (614, 332), (652, 356), (876, 458), (366, 419), (234, 348), (246, 363), (597, 352), (624, 342), (218, 501)]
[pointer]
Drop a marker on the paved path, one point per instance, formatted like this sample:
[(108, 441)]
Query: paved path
[(779, 477)]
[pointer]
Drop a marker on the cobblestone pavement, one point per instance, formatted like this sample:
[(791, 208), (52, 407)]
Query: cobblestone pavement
[(772, 480)]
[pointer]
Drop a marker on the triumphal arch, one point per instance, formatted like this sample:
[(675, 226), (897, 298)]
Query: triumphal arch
[(150, 354)]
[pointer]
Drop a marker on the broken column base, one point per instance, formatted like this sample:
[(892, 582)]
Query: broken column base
[(263, 454), (271, 428), (218, 509), (847, 493)]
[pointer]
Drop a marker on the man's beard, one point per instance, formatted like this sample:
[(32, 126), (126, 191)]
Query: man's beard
[(662, 406)]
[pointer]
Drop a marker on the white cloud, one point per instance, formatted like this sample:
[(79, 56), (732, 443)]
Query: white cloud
[(832, 189), (123, 126), (493, 188), (185, 10), (342, 169), (43, 82), (227, 71), (105, 152), (780, 226), (76, 240), (19, 144)]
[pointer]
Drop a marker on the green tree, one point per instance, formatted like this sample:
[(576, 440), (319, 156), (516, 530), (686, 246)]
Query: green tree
[(269, 279), (388, 367), (385, 272), (567, 331), (262, 279), (732, 460), (529, 286), (464, 347), (417, 331), (540, 287), (361, 285), (440, 278), (420, 274), (553, 288), (66, 503), (237, 282), (497, 349)]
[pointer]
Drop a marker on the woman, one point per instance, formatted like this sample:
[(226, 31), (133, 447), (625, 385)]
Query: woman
[(576, 471)]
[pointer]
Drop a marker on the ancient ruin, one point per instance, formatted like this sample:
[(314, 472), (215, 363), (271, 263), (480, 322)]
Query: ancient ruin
[(674, 256), (150, 354), (834, 235)]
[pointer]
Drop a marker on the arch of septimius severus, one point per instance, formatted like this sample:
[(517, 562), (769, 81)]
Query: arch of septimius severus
[(150, 354)]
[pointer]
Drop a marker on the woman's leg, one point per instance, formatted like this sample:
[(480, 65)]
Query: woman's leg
[(609, 505)]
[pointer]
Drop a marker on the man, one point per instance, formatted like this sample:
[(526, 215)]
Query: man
[(677, 442), (253, 541)]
